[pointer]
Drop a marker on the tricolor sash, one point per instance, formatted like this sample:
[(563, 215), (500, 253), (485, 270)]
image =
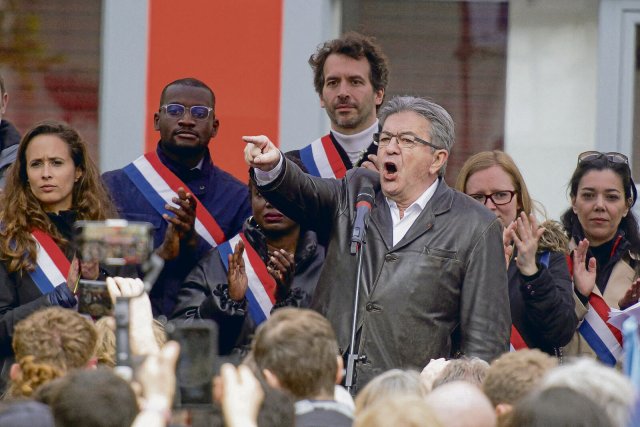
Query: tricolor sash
[(603, 338), (262, 286), (517, 343), (321, 158), (52, 266), (159, 185)]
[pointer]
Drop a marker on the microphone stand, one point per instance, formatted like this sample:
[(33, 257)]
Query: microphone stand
[(353, 357)]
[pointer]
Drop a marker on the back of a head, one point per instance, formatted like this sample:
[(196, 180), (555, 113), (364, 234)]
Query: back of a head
[(299, 347), (513, 375), (472, 370), (47, 344), (557, 407), (608, 388), (461, 404), (405, 411), (391, 383), (93, 398)]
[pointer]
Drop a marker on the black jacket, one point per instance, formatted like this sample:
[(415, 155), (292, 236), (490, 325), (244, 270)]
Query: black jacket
[(542, 306), (205, 292), (439, 292)]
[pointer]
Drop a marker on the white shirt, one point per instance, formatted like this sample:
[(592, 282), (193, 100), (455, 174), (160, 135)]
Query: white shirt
[(402, 225), (356, 145)]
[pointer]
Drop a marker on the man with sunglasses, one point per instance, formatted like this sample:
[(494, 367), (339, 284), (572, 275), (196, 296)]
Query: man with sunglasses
[(350, 77), (192, 204), (434, 281)]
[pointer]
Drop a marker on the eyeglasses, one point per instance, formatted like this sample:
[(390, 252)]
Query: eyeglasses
[(612, 156), (197, 112), (405, 140), (498, 198)]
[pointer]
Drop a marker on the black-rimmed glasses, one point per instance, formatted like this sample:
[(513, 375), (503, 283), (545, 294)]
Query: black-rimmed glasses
[(498, 198), (197, 112), (612, 156), (405, 140)]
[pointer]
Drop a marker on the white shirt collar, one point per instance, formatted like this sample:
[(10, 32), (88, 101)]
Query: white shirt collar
[(421, 201)]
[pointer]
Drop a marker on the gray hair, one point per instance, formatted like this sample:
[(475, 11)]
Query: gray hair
[(390, 383), (472, 370), (606, 386), (442, 126)]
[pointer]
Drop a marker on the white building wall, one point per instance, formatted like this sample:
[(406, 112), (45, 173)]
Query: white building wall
[(551, 92), (306, 25), (123, 82)]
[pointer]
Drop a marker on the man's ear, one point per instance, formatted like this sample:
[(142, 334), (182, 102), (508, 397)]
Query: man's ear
[(503, 408), (271, 379), (156, 121), (15, 372), (92, 363), (339, 369), (440, 159)]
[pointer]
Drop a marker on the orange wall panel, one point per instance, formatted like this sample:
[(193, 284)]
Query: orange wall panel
[(234, 46)]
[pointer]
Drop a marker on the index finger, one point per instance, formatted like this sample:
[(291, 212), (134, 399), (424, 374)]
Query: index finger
[(260, 141)]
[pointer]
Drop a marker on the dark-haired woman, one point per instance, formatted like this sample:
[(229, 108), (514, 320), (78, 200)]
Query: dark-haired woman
[(52, 183), (604, 236)]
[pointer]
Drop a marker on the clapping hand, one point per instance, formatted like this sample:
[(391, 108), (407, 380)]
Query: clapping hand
[(584, 276), (181, 225)]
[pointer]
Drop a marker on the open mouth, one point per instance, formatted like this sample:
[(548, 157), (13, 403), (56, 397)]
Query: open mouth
[(390, 168)]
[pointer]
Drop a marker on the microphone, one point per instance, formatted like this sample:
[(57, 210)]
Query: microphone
[(364, 201)]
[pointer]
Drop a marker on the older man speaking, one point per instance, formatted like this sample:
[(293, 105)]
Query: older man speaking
[(433, 282)]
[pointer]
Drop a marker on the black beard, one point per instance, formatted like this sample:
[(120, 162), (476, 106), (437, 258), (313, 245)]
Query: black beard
[(182, 150)]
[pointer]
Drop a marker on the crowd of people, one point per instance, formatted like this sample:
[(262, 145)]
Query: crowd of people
[(472, 308)]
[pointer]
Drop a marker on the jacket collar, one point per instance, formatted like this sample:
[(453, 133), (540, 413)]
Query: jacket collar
[(381, 216)]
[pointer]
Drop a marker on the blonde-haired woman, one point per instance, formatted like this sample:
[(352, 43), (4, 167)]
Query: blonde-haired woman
[(540, 288)]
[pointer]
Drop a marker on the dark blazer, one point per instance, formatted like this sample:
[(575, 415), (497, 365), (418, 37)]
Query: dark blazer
[(440, 292)]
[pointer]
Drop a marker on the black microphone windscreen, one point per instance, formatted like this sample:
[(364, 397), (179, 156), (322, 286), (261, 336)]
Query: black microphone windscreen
[(366, 194)]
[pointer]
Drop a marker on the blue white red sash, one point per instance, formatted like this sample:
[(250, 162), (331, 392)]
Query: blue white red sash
[(516, 342), (262, 286), (321, 158), (52, 266), (159, 185), (603, 338)]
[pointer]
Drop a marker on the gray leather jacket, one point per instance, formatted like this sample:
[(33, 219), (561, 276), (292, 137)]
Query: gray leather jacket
[(440, 292)]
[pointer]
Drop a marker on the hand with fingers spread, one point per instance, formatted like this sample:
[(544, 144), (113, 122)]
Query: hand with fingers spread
[(507, 242), (282, 267), (526, 242), (237, 276), (584, 276), (181, 229), (631, 296), (261, 153)]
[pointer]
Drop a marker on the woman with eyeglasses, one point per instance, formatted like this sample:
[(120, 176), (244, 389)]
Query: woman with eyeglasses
[(540, 289), (606, 248), (52, 183)]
